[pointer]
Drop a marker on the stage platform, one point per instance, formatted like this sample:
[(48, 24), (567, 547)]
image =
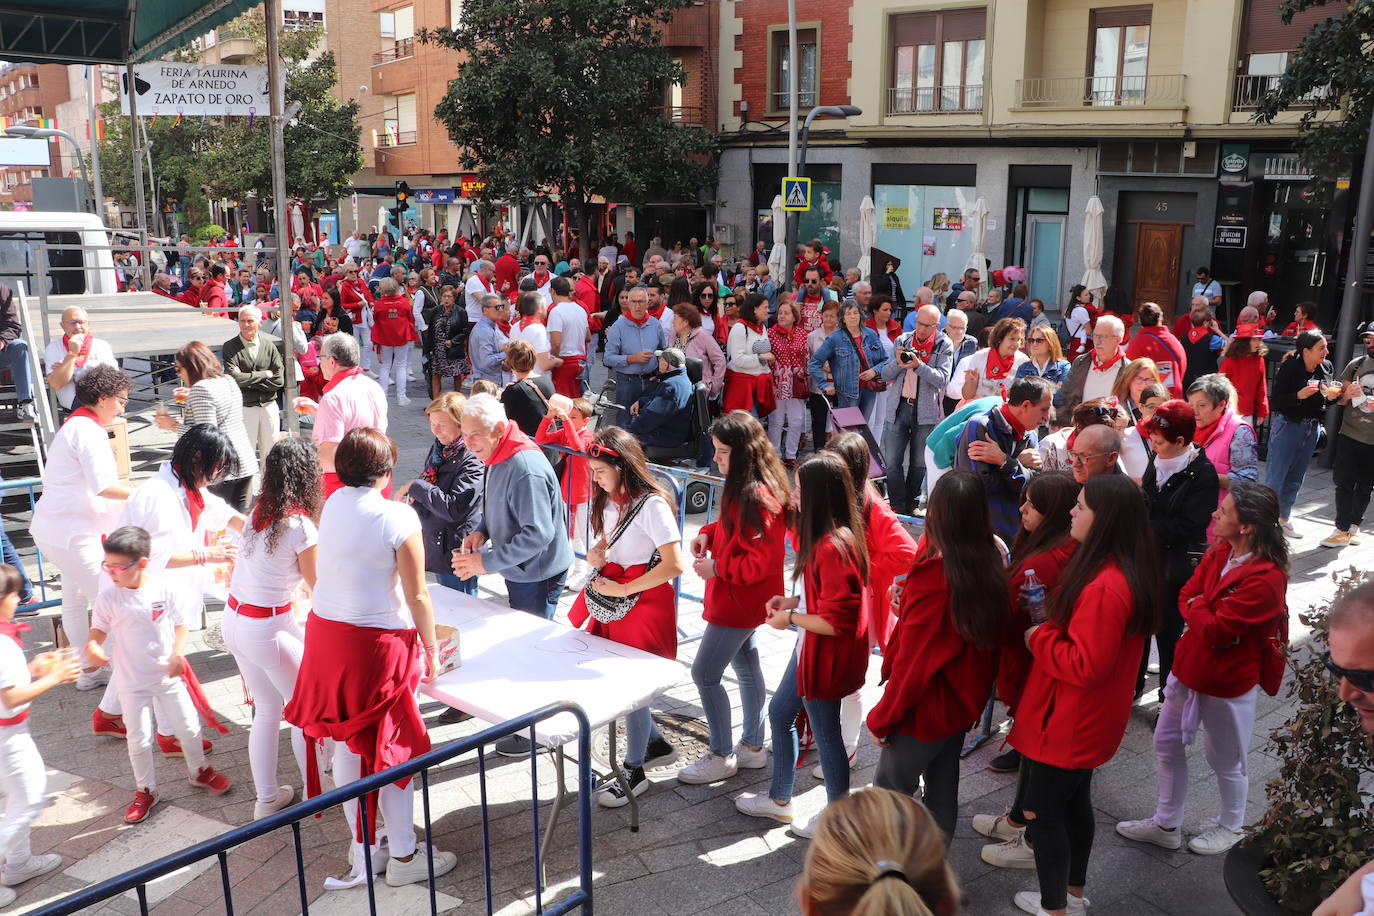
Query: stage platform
[(142, 324)]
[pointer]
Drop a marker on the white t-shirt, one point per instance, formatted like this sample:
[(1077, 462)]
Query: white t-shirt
[(652, 527), (270, 578), (1077, 325), (141, 624), (100, 355), (536, 335), (360, 532), (14, 672), (473, 291), (1100, 384), (978, 362), (570, 320), (955, 388), (80, 466), (544, 289), (1134, 458)]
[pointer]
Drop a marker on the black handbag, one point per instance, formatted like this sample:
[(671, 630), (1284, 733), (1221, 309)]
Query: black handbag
[(605, 608)]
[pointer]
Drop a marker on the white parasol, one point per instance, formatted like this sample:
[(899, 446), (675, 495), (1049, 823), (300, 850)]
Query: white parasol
[(1092, 249), (978, 230), (868, 236), (777, 258)]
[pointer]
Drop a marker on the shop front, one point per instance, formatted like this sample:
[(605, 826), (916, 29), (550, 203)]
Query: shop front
[(923, 219)]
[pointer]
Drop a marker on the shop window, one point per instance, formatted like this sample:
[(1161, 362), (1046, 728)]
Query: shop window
[(927, 226), (1120, 55), (937, 61), (807, 72)]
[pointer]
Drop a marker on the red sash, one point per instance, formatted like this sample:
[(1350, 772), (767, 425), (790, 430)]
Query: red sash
[(85, 348), (651, 625)]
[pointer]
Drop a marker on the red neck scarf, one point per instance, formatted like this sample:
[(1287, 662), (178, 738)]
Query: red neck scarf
[(340, 376), (1010, 417), (753, 327), (504, 326), (1204, 433), (85, 348), (512, 441), (528, 320), (82, 412), (893, 330), (999, 368), (1196, 333), (923, 350), (1116, 357), (640, 322), (12, 629), (261, 520), (195, 504)]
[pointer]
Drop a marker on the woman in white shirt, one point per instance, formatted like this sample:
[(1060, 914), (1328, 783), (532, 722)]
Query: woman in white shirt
[(260, 625), (749, 373), (992, 370), (369, 641), (638, 554)]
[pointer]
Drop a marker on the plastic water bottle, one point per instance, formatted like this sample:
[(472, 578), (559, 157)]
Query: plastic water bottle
[(1033, 598)]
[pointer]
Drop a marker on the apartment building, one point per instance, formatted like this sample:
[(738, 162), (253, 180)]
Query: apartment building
[(30, 94), (1034, 106)]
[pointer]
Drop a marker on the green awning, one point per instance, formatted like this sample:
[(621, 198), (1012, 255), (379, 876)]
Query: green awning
[(108, 31)]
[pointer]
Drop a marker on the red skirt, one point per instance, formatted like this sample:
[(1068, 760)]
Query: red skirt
[(651, 625), (745, 392)]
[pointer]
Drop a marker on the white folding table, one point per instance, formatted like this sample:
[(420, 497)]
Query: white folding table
[(514, 662)]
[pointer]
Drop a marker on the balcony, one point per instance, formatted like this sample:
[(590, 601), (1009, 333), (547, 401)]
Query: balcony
[(1063, 93), (687, 115), (1251, 89), (397, 138), (930, 100), (401, 49)]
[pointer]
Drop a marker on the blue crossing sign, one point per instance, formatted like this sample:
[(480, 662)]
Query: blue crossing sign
[(796, 194)]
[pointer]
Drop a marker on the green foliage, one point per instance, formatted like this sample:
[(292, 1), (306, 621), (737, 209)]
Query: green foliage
[(1316, 827), (1332, 61), (208, 233)]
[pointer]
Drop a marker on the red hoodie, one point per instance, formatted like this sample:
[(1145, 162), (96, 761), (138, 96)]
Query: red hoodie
[(1078, 697), (354, 296), (748, 566), (891, 551), (1252, 392), (833, 667), (1165, 349), (393, 322)]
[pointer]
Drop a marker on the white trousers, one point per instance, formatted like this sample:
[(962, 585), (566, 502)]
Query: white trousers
[(268, 652), (398, 805), (263, 424), (1227, 725), (880, 412), (26, 783), (933, 471), (363, 335), (175, 712), (788, 421), (851, 719), (392, 366), (79, 562)]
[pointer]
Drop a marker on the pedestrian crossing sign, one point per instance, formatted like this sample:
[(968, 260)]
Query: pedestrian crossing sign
[(796, 193)]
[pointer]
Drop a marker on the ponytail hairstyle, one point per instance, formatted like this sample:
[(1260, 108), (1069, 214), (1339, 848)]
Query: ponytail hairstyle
[(622, 451), (853, 448), (755, 476), (828, 510), (1306, 341), (877, 853), (1052, 494), (959, 528), (1120, 533), (1258, 507)]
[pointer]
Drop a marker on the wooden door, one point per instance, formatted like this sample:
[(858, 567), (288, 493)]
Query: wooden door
[(1157, 250)]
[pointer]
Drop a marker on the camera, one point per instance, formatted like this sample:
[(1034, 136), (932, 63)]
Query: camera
[(906, 355)]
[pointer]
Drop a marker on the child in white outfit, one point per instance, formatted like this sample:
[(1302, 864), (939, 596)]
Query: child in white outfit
[(145, 620), (21, 768)]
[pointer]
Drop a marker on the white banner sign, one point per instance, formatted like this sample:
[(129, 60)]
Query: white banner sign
[(169, 89), (14, 151)]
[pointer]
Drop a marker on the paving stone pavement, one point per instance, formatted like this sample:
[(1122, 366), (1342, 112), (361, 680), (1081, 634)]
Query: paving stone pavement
[(694, 854)]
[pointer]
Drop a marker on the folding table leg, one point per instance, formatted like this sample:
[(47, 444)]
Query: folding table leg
[(619, 772), (560, 801)]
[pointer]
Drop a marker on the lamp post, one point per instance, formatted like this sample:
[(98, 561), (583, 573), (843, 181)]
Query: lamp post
[(47, 133), (831, 111)]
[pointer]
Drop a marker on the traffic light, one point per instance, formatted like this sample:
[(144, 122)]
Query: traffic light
[(402, 195)]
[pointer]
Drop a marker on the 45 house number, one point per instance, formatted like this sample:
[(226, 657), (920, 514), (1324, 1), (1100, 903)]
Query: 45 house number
[(1162, 206)]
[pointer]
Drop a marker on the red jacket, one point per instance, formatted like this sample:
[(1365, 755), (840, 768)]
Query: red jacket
[(507, 273), (1015, 661), (937, 683), (748, 566), (799, 275), (586, 294), (393, 322), (1232, 621), (354, 296), (1157, 343), (833, 667), (1078, 696), (576, 481), (1252, 392), (891, 551)]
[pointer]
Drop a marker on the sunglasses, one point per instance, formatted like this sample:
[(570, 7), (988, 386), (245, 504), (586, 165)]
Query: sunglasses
[(1081, 457), (597, 450), (1038, 340), (125, 567), (1358, 678)]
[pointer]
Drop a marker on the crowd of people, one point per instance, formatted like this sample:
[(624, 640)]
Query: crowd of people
[(1085, 491)]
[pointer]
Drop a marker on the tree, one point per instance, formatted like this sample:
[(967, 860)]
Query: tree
[(1331, 63), (564, 97)]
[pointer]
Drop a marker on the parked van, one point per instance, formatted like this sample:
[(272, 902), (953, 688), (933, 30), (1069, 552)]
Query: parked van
[(69, 270)]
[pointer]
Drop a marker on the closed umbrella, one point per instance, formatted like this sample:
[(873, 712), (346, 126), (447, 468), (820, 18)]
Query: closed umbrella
[(1092, 249), (777, 258), (297, 225), (868, 236), (383, 218), (978, 230)]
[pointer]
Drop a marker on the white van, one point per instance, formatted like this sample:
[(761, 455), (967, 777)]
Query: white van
[(22, 232)]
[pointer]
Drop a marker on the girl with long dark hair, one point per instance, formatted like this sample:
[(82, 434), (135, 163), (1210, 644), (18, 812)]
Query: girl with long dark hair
[(639, 554), (832, 562), (942, 656), (740, 557), (261, 628), (1235, 606), (1077, 700), (1303, 387)]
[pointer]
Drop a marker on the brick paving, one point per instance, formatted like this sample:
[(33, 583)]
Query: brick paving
[(694, 854)]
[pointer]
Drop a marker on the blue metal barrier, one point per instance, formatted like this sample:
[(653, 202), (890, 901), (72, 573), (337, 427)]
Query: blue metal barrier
[(30, 485), (219, 847)]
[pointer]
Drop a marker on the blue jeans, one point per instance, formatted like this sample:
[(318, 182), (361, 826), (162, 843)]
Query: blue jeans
[(639, 731), (15, 356), (467, 586), (1290, 449), (539, 597), (825, 725), (904, 451), (738, 648), (628, 389), (864, 401)]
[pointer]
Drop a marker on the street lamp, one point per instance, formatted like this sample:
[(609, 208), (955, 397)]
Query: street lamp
[(47, 133), (830, 111)]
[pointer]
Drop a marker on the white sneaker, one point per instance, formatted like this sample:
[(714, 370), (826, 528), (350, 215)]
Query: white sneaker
[(32, 868), (817, 772), (90, 680), (1147, 831), (997, 827), (1011, 854), (1289, 530), (1029, 902), (1354, 533), (402, 400), (749, 758), (806, 829), (285, 796), (7, 897), (1213, 841), (763, 806), (708, 769), (416, 871)]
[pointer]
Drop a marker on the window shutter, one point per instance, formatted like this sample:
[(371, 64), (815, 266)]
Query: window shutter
[(1264, 30), (963, 25), (914, 29)]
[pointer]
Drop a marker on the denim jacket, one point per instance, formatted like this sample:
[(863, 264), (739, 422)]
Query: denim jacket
[(839, 351)]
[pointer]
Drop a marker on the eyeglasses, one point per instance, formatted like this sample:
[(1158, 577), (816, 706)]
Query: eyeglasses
[(597, 450), (1082, 457), (927, 324), (1359, 678), (117, 567)]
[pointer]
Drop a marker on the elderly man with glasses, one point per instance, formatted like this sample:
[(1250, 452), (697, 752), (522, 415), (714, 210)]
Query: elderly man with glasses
[(917, 375), (1094, 374), (487, 343), (542, 277), (75, 353), (350, 401)]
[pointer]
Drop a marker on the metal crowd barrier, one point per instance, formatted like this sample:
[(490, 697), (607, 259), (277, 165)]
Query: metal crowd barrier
[(221, 846), (30, 485)]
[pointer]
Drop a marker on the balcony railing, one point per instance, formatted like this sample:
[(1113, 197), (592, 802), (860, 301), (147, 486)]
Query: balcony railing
[(932, 100), (782, 101), (1251, 89), (400, 138), (1101, 92), (403, 48), (690, 115)]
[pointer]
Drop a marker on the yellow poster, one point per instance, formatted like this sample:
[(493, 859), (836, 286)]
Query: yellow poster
[(896, 217)]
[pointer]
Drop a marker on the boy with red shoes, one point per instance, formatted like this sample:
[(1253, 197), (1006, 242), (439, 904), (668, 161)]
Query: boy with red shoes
[(144, 620)]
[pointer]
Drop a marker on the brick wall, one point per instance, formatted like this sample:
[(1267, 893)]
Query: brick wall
[(834, 35)]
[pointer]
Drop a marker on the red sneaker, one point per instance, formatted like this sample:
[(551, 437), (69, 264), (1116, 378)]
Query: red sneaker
[(211, 781), (109, 726), (138, 809), (170, 746)]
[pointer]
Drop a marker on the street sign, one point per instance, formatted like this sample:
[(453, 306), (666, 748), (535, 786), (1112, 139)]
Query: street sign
[(23, 151), (167, 89), (796, 194), (1229, 236)]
